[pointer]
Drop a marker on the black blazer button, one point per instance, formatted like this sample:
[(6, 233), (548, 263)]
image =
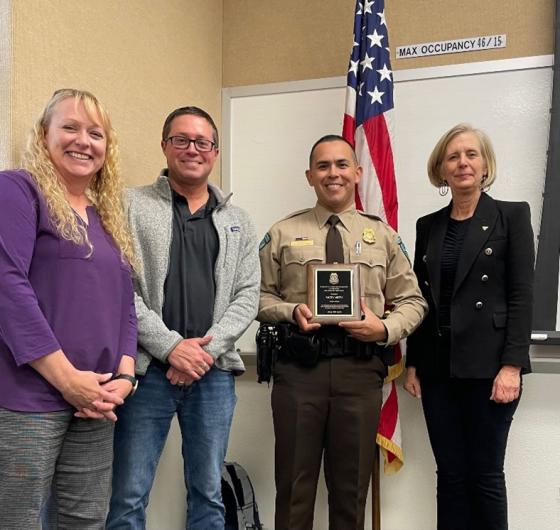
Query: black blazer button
[(488, 251), (426, 283), (424, 258), (479, 305), (484, 277)]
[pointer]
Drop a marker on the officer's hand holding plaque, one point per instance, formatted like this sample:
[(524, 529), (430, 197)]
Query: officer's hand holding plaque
[(333, 292)]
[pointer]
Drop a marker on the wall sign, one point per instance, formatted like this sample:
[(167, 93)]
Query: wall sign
[(469, 44)]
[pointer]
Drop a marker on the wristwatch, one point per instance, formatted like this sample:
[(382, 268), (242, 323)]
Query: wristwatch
[(130, 378)]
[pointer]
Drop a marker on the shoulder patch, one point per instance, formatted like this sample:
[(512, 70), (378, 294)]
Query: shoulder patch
[(265, 241), (400, 242)]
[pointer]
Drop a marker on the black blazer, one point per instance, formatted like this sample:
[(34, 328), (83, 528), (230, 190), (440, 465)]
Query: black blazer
[(491, 305)]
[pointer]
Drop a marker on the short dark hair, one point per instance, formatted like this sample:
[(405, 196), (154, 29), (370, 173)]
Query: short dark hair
[(331, 138), (193, 111)]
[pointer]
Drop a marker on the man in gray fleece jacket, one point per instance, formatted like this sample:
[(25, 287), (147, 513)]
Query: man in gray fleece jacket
[(196, 293)]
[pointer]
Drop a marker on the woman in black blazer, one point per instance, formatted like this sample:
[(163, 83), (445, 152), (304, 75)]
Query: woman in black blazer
[(474, 262)]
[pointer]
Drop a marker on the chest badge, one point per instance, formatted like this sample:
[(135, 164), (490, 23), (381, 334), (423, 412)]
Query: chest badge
[(368, 236)]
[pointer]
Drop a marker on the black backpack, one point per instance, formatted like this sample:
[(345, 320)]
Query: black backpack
[(239, 499)]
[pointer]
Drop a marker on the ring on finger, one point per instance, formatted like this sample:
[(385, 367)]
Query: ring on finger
[(181, 383)]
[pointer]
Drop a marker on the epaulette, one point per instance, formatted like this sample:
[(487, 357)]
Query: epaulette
[(370, 216), (295, 214)]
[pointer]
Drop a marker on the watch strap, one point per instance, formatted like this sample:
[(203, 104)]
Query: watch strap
[(129, 378)]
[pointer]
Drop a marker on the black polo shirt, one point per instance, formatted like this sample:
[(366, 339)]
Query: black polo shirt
[(190, 286)]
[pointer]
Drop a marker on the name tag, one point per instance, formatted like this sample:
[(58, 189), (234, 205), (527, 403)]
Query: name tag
[(302, 243)]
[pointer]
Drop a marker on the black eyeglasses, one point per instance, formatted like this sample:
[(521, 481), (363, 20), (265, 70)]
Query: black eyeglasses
[(182, 142)]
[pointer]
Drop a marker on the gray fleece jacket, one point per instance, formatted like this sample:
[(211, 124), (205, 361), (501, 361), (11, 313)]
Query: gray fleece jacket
[(237, 275)]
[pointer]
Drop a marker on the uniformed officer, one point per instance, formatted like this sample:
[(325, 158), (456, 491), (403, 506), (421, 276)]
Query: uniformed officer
[(332, 408)]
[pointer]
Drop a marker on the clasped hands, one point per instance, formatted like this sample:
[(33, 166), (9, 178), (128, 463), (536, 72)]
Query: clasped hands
[(95, 396), (369, 329), (189, 361)]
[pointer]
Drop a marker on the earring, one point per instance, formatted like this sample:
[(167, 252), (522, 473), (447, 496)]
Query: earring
[(482, 181), (443, 189)]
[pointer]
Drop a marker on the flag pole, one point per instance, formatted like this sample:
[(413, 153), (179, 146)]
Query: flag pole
[(376, 492)]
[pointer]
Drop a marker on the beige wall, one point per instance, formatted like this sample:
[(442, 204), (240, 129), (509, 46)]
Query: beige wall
[(141, 58), (5, 85), (529, 27), (267, 41)]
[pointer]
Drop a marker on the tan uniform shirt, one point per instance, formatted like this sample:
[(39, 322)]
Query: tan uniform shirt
[(386, 276)]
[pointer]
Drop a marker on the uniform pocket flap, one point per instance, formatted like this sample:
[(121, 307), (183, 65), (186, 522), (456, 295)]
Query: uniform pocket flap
[(370, 257), (303, 254)]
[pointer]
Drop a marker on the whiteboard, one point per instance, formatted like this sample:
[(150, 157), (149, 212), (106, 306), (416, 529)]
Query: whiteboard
[(267, 138)]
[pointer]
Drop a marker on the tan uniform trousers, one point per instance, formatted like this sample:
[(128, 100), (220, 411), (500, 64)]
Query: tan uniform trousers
[(331, 410)]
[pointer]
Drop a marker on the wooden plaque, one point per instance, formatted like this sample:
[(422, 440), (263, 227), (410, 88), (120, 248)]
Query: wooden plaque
[(333, 292)]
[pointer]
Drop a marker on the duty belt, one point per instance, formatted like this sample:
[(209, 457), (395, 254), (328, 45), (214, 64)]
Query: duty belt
[(286, 342), (327, 343)]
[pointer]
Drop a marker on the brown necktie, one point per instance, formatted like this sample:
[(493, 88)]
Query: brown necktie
[(335, 253)]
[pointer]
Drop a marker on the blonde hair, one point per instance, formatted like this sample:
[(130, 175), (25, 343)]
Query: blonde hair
[(105, 189), (486, 150)]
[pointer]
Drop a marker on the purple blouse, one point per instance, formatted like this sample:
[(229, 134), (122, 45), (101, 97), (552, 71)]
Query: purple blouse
[(53, 296)]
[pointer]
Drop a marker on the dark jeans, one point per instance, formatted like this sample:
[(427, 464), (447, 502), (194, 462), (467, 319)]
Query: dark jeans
[(468, 434)]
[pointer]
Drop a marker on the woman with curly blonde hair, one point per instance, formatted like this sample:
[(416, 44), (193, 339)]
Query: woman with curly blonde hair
[(106, 186), (67, 318)]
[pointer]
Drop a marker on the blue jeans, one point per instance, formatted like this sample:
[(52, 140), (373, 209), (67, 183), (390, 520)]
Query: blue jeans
[(468, 434), (204, 410)]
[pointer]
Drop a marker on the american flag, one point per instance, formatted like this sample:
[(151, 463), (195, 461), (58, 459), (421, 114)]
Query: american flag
[(367, 126)]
